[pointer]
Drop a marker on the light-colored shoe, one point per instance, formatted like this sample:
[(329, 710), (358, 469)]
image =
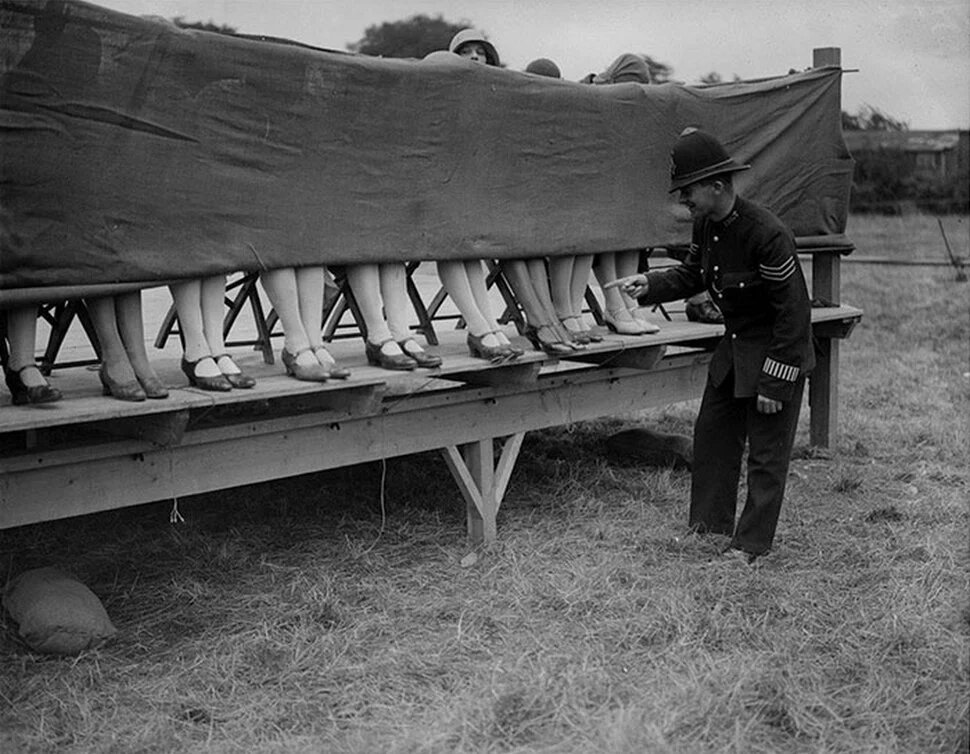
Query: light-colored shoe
[(623, 323), (640, 316)]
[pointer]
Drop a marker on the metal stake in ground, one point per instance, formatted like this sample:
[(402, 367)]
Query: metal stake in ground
[(957, 263)]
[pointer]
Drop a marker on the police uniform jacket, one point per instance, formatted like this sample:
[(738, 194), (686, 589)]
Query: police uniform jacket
[(748, 263)]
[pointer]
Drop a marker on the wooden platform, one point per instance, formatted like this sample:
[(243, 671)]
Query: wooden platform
[(89, 453)]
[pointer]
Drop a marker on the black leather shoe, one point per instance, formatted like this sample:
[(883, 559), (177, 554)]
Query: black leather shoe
[(217, 384), (21, 394), (335, 371), (424, 359), (237, 379), (310, 373), (400, 362), (123, 391), (704, 312)]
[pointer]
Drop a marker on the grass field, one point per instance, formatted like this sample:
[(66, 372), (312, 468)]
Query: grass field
[(332, 613)]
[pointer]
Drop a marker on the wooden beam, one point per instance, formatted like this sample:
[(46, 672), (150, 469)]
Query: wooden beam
[(645, 357), (162, 430), (51, 483)]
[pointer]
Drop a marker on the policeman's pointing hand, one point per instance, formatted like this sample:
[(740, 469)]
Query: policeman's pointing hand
[(632, 285)]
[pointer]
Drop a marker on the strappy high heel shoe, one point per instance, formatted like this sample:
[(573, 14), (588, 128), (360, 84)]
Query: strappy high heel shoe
[(544, 338), (424, 359), (123, 391), (493, 354), (237, 379), (336, 372), (310, 373), (216, 384), (21, 394), (400, 362)]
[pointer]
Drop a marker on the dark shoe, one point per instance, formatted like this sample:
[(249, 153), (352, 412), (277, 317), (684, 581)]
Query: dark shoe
[(544, 338), (400, 362), (704, 312), (337, 373), (733, 555), (21, 395), (313, 373), (424, 359), (217, 384), (153, 388), (123, 391), (237, 379), (493, 354)]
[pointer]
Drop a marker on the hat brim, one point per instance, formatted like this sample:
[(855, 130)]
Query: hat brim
[(728, 166)]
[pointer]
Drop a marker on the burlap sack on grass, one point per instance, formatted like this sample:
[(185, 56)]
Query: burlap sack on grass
[(55, 612)]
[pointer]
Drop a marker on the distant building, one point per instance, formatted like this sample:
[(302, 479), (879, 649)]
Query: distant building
[(931, 155), (903, 171)]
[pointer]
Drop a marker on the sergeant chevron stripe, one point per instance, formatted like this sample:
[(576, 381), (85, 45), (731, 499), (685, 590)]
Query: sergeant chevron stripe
[(782, 371), (779, 273)]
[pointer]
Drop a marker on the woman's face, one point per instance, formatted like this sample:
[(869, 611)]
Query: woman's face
[(474, 51)]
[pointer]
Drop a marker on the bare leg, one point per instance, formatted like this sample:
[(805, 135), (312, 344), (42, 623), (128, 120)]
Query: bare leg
[(114, 357), (23, 377), (582, 268), (298, 356), (560, 285), (365, 282), (187, 296), (116, 373), (394, 291), (517, 273), (310, 283), (309, 286), (628, 263), (454, 278), (26, 383), (280, 287), (617, 313), (22, 337), (131, 328)]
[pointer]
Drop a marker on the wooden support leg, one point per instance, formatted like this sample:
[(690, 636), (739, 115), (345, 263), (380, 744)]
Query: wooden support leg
[(483, 482), (823, 394)]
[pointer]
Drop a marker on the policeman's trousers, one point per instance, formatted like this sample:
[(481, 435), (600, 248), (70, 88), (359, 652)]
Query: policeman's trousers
[(724, 425)]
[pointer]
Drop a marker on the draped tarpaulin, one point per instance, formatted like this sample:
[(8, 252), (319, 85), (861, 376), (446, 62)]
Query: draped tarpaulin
[(135, 152)]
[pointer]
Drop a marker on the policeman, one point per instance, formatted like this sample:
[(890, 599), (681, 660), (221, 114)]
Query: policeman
[(745, 257)]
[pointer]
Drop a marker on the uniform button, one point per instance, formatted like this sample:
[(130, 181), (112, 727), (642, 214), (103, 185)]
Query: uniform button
[(734, 336), (716, 239), (740, 285), (716, 268), (720, 295)]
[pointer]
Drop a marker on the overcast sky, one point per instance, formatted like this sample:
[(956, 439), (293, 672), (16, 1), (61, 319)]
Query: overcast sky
[(912, 56)]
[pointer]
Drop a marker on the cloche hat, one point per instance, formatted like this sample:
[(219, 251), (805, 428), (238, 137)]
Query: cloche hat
[(698, 155), (468, 36)]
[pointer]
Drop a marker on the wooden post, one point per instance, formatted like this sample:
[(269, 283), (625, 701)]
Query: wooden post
[(823, 385), (483, 482)]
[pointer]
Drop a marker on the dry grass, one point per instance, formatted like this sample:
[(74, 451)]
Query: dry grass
[(301, 617)]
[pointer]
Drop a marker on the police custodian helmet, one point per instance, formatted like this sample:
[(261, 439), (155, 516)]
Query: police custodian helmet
[(698, 155)]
